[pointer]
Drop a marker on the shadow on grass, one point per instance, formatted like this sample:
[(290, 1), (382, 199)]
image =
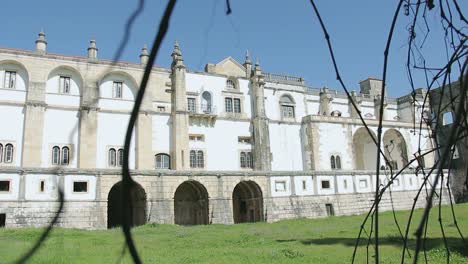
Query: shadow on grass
[(455, 244)]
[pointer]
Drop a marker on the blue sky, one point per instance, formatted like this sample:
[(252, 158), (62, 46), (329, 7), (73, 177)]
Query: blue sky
[(284, 35)]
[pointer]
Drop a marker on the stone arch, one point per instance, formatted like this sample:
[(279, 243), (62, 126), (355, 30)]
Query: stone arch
[(22, 79), (364, 150), (395, 148), (247, 202), (129, 83), (191, 204), (68, 71), (137, 205)]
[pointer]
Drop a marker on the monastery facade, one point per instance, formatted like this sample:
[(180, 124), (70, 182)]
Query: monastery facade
[(230, 144)]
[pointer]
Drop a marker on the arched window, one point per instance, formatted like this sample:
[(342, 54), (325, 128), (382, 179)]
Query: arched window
[(8, 153), (335, 113), (111, 159), (120, 157), (193, 159), (230, 84), (287, 107), (65, 155), (1, 153), (163, 161), (206, 102), (332, 162), (338, 162), (242, 160), (55, 155), (200, 159)]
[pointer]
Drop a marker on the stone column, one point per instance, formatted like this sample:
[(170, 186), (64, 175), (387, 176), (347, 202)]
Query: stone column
[(179, 113), (311, 151), (144, 152), (357, 101), (260, 123), (377, 100), (33, 125), (88, 126)]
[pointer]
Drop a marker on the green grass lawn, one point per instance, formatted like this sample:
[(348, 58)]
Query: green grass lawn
[(327, 240)]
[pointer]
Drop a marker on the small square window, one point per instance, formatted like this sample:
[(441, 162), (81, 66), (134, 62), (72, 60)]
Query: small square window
[(280, 186), (4, 186), (325, 184), (363, 183), (244, 140), (161, 109), (80, 187)]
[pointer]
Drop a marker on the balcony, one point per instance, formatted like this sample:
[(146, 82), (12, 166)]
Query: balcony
[(202, 112)]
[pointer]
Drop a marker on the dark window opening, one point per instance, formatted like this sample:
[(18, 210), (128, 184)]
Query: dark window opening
[(330, 210), (4, 186), (42, 186), (2, 220), (325, 184), (80, 186)]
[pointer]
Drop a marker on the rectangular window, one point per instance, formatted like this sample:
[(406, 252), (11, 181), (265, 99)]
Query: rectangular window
[(10, 79), (237, 105), (330, 210), (325, 184), (64, 85), (228, 104), (191, 105), (287, 111), (363, 184), (196, 137), (80, 187), (244, 140), (4, 186), (280, 186), (117, 89), (304, 185), (345, 184), (161, 109), (42, 186)]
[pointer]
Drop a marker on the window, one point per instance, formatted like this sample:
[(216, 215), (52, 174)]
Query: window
[(65, 155), (117, 89), (111, 159), (163, 161), (447, 118), (161, 109), (8, 153), (200, 159), (325, 184), (120, 157), (332, 162), (287, 107), (41, 186), (10, 79), (193, 159), (304, 185), (345, 184), (237, 105), (4, 186), (1, 153), (64, 84), (230, 85), (80, 186), (329, 208), (335, 113), (197, 159), (280, 186), (362, 184), (191, 105), (246, 159), (55, 155), (228, 104), (196, 137), (338, 162), (244, 140)]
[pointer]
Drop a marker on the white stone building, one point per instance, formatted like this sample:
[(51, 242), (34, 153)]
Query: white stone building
[(227, 145)]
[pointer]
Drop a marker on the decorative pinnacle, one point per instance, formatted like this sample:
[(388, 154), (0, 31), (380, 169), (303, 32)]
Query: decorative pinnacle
[(176, 50), (41, 37), (247, 57), (92, 44), (257, 65), (144, 51)]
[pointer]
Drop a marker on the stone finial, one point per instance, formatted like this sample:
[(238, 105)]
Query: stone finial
[(92, 50), (258, 69), (144, 55), (247, 57), (325, 101), (177, 59), (247, 65), (41, 43)]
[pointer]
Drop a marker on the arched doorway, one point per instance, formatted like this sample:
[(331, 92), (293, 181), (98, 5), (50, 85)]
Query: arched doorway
[(191, 204), (137, 205), (364, 149), (395, 149), (247, 202)]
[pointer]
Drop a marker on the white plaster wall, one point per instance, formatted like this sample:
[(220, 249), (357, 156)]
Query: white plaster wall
[(221, 143), (14, 187), (87, 196), (313, 104), (22, 76), (298, 181), (111, 132), (12, 95), (32, 187), (275, 181), (60, 128), (411, 182), (286, 146), (349, 188), (361, 187), (391, 113), (53, 95), (330, 190), (129, 90), (161, 134), (12, 118), (340, 104), (333, 140)]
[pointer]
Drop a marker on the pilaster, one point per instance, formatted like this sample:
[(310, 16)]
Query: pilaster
[(87, 137), (325, 101), (144, 153)]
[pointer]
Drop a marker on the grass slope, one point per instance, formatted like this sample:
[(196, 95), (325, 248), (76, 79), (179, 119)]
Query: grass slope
[(327, 240)]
